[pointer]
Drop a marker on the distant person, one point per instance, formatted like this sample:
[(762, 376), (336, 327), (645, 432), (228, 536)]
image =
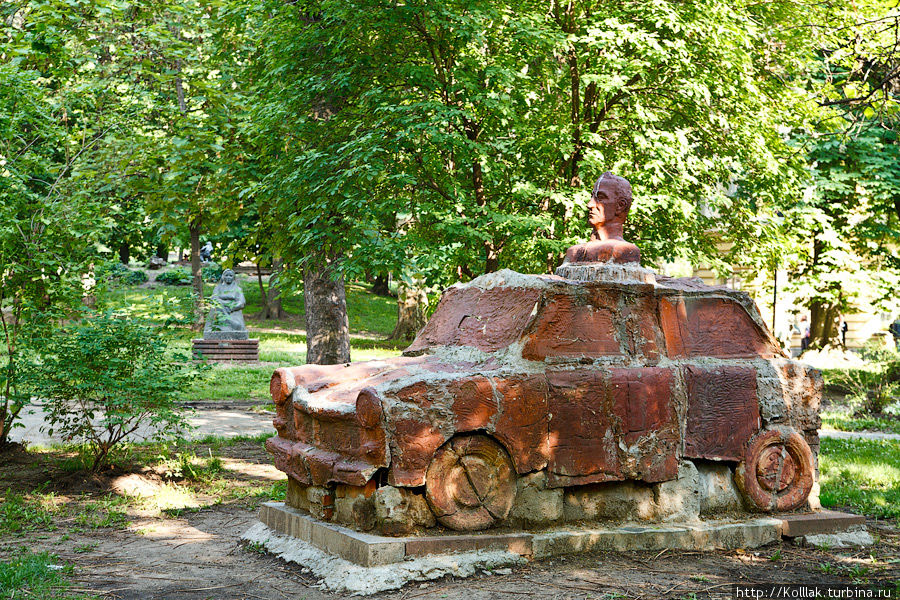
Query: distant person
[(804, 334), (895, 331), (206, 252), (844, 328)]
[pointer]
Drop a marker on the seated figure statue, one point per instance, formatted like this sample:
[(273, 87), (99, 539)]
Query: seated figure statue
[(225, 320), (607, 210)]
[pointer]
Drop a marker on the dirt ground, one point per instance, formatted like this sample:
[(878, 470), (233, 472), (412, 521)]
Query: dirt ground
[(197, 554)]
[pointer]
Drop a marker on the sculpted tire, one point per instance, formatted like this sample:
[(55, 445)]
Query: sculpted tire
[(470, 483), (777, 471)]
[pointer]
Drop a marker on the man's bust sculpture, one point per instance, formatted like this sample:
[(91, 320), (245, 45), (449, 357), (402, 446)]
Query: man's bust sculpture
[(607, 211)]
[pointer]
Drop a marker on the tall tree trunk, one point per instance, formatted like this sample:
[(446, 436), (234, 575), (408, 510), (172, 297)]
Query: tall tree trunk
[(162, 251), (823, 324), (124, 253), (327, 325), (380, 285), (273, 308), (411, 302), (196, 271)]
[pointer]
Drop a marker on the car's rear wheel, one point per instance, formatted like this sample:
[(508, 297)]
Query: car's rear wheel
[(777, 471), (470, 483)]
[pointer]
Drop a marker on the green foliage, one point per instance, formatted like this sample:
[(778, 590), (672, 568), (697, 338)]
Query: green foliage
[(117, 272), (476, 129), (48, 222), (175, 276), (107, 376), (874, 388), (861, 474), (211, 272)]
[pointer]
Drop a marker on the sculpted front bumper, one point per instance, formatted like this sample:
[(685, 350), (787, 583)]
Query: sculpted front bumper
[(328, 435)]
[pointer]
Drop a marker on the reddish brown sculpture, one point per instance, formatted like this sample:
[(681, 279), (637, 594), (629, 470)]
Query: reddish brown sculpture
[(607, 210), (553, 383)]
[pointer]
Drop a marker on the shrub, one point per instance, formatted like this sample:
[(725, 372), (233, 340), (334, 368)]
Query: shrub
[(105, 377), (117, 272), (176, 276), (874, 388), (211, 272)]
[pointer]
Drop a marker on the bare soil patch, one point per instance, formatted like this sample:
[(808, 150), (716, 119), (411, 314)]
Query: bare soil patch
[(195, 552)]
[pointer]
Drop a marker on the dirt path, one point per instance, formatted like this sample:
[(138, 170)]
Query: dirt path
[(201, 557)]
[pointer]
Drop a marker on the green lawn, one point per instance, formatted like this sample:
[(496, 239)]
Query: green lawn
[(372, 318), (862, 475)]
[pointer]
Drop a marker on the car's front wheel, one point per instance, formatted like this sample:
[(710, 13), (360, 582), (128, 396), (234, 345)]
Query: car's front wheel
[(470, 483), (777, 471)]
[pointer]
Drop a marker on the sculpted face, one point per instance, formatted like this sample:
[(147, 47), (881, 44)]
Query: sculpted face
[(228, 276), (603, 206)]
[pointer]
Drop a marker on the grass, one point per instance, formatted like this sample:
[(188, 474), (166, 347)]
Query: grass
[(863, 475), (843, 420), (21, 513), (25, 574)]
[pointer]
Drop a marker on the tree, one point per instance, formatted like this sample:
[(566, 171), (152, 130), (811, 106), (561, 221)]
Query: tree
[(47, 224), (487, 122)]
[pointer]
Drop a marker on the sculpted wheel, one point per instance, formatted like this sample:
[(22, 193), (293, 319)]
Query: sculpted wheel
[(470, 483), (777, 472)]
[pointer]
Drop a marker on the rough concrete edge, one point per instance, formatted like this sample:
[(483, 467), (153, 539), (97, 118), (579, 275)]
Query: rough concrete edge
[(339, 575), (704, 535), (856, 536)]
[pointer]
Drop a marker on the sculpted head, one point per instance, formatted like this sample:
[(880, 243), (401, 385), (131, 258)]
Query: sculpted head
[(610, 201), (227, 276)]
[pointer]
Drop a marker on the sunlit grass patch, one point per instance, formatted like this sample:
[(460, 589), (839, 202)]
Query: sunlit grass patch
[(169, 497), (25, 574), (863, 475)]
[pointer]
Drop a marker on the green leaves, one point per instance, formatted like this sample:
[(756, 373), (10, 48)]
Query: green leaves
[(105, 377)]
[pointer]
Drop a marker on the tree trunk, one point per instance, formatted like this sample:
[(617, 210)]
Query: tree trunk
[(327, 325), (162, 251), (411, 302), (823, 327), (196, 271), (380, 285), (124, 253), (273, 308)]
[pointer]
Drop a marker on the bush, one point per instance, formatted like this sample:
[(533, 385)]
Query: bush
[(176, 276), (105, 377), (874, 388), (211, 272), (117, 272)]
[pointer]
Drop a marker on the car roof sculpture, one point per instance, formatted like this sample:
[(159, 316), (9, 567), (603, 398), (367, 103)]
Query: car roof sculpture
[(602, 374)]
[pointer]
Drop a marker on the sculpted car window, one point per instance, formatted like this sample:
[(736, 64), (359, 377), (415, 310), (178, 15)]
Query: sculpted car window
[(574, 327), (485, 319)]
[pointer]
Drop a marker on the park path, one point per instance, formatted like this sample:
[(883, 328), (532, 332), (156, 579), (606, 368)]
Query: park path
[(232, 419), (227, 420)]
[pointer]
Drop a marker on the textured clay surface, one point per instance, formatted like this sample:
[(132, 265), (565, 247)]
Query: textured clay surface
[(723, 412)]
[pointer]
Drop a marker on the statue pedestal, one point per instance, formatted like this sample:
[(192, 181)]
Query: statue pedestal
[(608, 272), (226, 350)]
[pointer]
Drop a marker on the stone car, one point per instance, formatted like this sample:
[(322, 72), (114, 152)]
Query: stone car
[(538, 399)]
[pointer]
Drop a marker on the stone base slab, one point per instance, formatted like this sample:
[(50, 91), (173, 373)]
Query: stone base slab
[(372, 550), (226, 350), (821, 522)]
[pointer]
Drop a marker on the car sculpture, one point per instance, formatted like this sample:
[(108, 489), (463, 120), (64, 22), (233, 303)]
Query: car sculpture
[(602, 374)]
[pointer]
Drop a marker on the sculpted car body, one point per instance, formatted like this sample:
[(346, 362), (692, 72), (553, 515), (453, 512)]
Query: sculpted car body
[(589, 381)]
